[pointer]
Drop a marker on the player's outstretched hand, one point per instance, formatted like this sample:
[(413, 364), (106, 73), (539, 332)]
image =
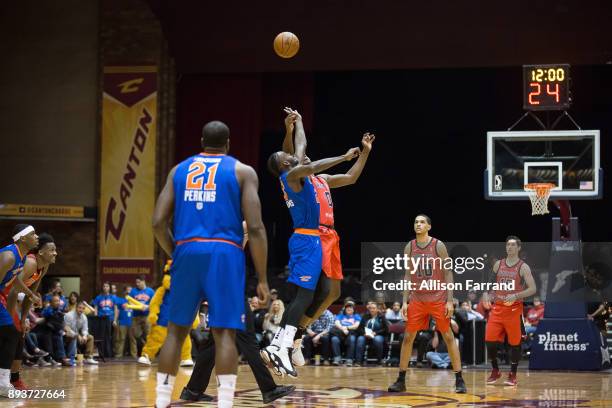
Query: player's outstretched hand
[(367, 140), (263, 293), (292, 113), (450, 309), (351, 154)]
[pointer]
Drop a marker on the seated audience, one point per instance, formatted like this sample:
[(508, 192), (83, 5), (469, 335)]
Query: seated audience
[(272, 319), (345, 332), (50, 333), (317, 335), (533, 315), (394, 314), (77, 335), (373, 330)]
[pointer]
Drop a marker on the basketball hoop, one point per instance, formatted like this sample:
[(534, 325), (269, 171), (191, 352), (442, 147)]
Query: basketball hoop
[(538, 194)]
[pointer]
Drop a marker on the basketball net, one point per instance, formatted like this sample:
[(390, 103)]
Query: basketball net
[(538, 194)]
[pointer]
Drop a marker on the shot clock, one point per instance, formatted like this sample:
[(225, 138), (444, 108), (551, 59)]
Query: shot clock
[(546, 87)]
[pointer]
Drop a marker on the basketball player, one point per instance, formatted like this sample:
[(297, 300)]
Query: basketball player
[(506, 318), (428, 255), (208, 196), (305, 254), (11, 265), (328, 287), (35, 268)]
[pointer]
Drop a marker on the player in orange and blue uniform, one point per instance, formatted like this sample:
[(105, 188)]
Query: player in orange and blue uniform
[(328, 288), (11, 265), (305, 254), (506, 318), (208, 196)]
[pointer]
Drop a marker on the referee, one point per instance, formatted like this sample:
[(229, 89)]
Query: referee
[(247, 346)]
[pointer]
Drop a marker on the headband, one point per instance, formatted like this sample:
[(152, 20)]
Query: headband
[(23, 233)]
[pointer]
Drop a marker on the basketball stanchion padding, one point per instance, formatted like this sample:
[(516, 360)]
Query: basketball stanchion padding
[(539, 194)]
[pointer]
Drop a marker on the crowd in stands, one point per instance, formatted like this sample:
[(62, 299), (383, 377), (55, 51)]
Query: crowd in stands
[(60, 333)]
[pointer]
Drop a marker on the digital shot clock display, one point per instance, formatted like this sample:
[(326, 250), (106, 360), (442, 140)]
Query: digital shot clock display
[(546, 87)]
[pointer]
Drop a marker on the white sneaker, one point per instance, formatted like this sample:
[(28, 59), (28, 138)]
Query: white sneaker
[(4, 391), (297, 358), (90, 360), (278, 359), (187, 363), (144, 359)]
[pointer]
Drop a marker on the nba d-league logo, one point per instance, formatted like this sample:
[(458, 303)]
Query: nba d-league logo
[(498, 182)]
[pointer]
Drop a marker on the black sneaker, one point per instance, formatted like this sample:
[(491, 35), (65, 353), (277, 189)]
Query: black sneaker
[(398, 386), (188, 395), (279, 392), (460, 387)]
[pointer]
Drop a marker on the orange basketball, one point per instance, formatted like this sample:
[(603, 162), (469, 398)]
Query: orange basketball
[(286, 44)]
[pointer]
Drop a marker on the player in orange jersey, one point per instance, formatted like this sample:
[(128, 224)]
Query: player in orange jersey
[(506, 318), (428, 256), (328, 287)]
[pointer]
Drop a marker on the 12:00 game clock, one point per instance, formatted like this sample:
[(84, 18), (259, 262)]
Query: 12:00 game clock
[(546, 87)]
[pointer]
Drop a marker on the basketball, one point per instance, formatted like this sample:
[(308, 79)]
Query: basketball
[(286, 44)]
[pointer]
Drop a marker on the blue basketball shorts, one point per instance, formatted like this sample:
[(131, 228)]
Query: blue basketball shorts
[(305, 260), (214, 271)]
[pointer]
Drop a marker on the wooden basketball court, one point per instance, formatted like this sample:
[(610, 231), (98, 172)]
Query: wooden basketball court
[(127, 384)]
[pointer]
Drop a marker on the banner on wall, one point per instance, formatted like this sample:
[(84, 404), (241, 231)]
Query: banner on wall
[(127, 186)]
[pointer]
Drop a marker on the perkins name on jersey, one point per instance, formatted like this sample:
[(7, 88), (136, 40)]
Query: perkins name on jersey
[(200, 196)]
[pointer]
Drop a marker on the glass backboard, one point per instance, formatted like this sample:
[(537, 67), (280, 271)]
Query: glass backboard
[(569, 159)]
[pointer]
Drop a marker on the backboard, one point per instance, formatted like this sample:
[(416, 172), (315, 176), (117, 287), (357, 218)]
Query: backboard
[(567, 158)]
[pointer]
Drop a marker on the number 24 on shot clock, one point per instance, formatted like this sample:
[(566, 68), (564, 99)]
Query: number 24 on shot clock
[(546, 87)]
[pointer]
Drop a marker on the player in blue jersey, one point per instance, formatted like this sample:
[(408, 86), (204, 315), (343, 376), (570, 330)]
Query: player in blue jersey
[(12, 258), (305, 253), (208, 196)]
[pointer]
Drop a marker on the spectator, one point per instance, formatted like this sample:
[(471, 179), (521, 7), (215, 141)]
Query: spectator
[(113, 289), (105, 308), (372, 330), (471, 314), (317, 334), (259, 314), (140, 325), (472, 297), (31, 339), (271, 322), (534, 315), (422, 342), (50, 333), (56, 289), (439, 357), (123, 329), (394, 314), (78, 335), (273, 295), (73, 300), (344, 332)]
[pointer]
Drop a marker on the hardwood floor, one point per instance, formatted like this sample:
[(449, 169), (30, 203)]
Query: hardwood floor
[(130, 385)]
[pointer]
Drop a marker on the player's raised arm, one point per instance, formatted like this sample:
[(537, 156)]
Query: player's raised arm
[(258, 241), (351, 176), (448, 277), (164, 209), (305, 170), (300, 139), (525, 272), (290, 120)]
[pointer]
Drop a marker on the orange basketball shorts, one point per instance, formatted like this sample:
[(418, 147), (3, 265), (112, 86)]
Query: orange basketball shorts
[(419, 313), (330, 244), (505, 321)]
